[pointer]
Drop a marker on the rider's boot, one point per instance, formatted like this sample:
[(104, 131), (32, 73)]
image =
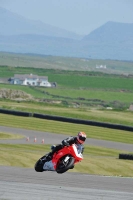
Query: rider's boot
[(50, 155)]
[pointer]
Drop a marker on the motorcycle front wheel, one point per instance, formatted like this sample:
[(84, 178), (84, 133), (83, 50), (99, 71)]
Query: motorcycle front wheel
[(39, 164), (64, 166)]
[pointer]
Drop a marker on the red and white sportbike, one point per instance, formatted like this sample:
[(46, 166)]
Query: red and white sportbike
[(62, 160)]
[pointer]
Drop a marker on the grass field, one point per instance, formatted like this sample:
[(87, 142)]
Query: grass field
[(74, 79), (80, 88), (10, 136), (65, 63), (79, 95), (83, 88), (91, 94)]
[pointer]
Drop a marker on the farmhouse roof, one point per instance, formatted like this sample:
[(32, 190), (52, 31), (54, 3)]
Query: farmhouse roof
[(24, 76)]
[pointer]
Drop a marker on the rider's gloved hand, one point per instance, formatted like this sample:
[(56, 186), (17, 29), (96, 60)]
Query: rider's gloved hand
[(65, 143)]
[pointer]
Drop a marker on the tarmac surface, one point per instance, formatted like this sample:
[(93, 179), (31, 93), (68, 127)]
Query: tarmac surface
[(25, 184)]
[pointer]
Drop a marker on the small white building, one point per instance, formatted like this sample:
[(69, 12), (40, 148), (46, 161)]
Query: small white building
[(30, 79), (101, 67)]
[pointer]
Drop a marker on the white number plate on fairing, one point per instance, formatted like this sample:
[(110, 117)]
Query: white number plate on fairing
[(66, 159)]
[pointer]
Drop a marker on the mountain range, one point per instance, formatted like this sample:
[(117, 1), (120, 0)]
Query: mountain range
[(113, 40)]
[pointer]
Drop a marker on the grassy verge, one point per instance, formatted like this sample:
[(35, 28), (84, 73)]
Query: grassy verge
[(96, 159), (10, 136)]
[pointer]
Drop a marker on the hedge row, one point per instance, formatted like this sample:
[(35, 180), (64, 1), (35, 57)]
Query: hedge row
[(65, 119)]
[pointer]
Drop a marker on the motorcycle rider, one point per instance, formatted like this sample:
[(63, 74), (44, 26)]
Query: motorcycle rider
[(79, 140)]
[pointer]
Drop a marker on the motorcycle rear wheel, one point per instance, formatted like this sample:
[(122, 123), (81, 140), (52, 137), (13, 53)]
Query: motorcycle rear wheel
[(63, 168)]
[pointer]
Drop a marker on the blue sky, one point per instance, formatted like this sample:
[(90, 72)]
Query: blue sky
[(79, 16)]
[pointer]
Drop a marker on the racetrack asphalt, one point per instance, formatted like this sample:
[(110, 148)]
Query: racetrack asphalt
[(25, 184)]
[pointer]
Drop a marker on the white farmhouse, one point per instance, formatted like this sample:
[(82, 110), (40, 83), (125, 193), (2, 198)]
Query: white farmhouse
[(30, 79), (101, 67)]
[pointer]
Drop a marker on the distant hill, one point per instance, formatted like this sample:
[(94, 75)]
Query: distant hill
[(111, 31), (39, 44), (14, 24), (113, 40)]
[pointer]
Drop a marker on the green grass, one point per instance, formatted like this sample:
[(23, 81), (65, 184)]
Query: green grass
[(101, 82), (85, 88), (90, 94), (10, 136), (66, 128), (65, 63), (107, 166), (96, 159), (79, 97), (74, 79)]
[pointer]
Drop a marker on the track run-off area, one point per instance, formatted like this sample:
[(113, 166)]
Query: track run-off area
[(24, 183)]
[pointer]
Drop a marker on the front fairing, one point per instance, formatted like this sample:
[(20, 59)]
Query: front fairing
[(77, 152), (73, 151), (79, 148)]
